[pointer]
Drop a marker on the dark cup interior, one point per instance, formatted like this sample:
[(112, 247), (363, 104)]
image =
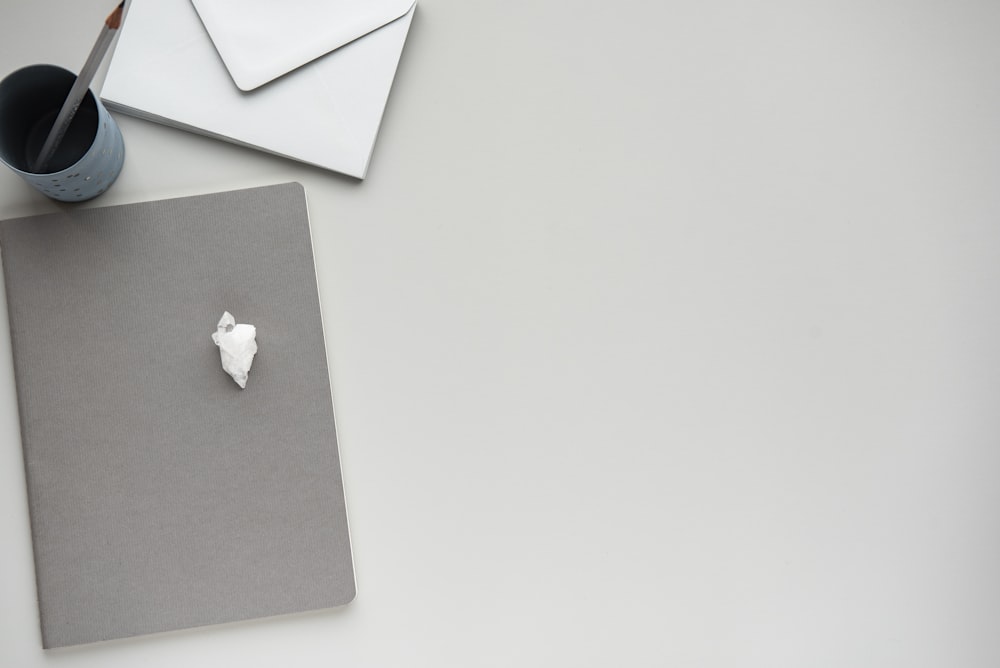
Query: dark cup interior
[(30, 100)]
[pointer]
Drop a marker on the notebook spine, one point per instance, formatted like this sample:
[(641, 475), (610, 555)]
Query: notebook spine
[(13, 310)]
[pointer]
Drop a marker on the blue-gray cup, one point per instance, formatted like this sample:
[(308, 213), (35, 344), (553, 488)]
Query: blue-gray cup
[(89, 157)]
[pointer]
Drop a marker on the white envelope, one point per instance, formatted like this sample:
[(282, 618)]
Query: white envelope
[(318, 100), (260, 40)]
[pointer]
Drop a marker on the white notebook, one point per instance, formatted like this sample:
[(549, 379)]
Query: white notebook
[(326, 112)]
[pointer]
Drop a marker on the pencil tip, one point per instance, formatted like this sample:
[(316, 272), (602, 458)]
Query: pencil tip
[(115, 18)]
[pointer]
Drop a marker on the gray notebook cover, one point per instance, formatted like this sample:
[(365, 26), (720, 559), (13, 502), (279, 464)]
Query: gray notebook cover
[(161, 495)]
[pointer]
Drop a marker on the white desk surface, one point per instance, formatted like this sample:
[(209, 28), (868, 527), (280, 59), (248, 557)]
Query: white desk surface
[(662, 333)]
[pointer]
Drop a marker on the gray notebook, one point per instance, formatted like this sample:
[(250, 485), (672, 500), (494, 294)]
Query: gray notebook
[(161, 495)]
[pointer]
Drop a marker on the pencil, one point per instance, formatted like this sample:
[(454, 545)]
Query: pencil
[(78, 91)]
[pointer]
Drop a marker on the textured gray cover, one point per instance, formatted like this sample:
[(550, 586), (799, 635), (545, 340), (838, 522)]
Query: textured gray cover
[(161, 495)]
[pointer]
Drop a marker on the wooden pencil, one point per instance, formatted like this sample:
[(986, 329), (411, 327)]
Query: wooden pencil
[(78, 91)]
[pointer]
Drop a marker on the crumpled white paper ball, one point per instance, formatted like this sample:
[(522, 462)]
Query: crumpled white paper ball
[(237, 346)]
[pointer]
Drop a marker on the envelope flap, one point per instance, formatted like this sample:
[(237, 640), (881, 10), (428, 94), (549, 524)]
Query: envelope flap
[(260, 40)]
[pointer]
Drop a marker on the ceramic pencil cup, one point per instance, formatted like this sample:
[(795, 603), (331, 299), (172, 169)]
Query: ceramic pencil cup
[(90, 155)]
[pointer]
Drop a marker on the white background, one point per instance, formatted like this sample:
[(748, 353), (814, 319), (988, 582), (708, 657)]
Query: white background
[(661, 333)]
